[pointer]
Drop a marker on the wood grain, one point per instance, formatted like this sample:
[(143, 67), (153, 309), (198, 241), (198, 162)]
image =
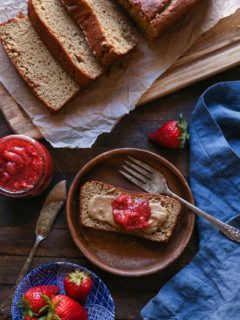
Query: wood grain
[(215, 51), (17, 119)]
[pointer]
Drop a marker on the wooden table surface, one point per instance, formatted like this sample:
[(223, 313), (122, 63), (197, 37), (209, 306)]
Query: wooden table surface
[(18, 217)]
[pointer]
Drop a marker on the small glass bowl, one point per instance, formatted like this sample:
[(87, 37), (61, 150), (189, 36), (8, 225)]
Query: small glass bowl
[(31, 152)]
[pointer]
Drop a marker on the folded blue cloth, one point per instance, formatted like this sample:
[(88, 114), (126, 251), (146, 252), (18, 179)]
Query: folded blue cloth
[(209, 287)]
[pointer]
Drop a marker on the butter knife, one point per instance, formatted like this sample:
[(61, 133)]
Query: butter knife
[(51, 207)]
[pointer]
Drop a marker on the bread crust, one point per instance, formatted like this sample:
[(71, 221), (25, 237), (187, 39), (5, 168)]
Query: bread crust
[(155, 17), (87, 221), (23, 76), (83, 14), (56, 48)]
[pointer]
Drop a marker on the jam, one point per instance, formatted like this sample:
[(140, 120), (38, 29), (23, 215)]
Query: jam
[(25, 166), (131, 213)]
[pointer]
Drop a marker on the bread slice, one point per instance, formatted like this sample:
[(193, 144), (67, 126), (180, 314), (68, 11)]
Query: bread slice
[(64, 39), (92, 188), (35, 64), (155, 16), (108, 32)]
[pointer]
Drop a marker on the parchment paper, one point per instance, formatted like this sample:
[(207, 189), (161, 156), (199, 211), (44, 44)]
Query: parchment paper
[(98, 108)]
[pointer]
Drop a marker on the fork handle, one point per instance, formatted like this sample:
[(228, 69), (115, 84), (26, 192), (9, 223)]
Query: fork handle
[(229, 231)]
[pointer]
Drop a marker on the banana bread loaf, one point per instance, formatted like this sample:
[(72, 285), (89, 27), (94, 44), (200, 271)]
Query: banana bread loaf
[(35, 64), (64, 39), (155, 16), (107, 30)]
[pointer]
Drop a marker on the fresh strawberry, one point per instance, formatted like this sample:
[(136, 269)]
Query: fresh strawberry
[(27, 317), (173, 134), (78, 285), (36, 298), (65, 308)]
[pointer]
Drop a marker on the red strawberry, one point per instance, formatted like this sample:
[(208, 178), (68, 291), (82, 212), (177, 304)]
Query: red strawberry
[(34, 300), (27, 317), (65, 308), (78, 285), (173, 134)]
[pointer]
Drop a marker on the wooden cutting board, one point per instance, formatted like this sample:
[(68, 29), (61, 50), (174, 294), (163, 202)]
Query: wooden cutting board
[(215, 51)]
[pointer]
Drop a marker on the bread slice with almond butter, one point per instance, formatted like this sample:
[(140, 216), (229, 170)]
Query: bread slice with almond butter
[(96, 211)]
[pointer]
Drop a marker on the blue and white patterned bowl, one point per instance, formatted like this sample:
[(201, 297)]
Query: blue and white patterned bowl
[(99, 304)]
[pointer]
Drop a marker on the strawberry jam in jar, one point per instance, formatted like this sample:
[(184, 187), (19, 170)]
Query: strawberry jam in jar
[(25, 166)]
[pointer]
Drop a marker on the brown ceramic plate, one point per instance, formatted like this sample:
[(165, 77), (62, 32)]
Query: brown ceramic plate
[(122, 254)]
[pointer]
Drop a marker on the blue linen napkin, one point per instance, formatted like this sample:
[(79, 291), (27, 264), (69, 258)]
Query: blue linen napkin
[(209, 287)]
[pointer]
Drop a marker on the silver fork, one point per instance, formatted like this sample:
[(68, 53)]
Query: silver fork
[(152, 181)]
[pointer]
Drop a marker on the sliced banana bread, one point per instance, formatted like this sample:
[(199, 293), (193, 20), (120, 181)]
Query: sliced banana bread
[(155, 16), (35, 64), (108, 32), (64, 39), (96, 188)]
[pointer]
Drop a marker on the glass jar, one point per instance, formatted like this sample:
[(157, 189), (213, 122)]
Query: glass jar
[(26, 166)]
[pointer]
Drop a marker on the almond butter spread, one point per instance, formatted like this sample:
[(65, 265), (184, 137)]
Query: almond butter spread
[(100, 209)]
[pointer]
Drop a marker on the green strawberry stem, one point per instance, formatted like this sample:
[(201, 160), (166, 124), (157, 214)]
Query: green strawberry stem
[(183, 126), (52, 309), (77, 277)]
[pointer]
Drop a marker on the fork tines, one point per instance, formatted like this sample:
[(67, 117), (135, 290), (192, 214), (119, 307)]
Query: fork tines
[(137, 171), (141, 164)]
